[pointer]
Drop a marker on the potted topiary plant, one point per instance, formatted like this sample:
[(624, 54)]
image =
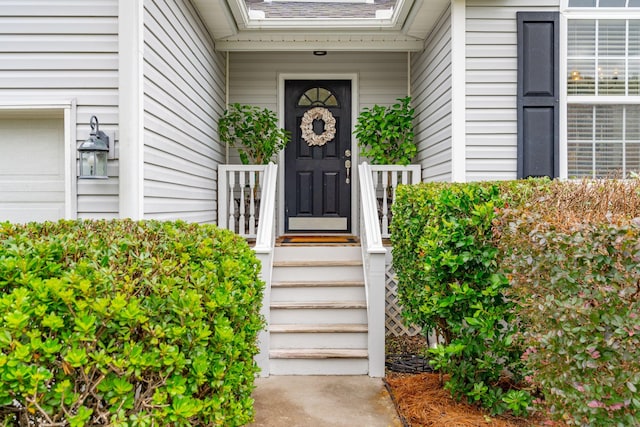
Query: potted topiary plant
[(385, 134), (254, 132)]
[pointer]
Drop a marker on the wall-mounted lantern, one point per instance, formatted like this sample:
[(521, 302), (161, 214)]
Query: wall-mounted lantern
[(94, 152)]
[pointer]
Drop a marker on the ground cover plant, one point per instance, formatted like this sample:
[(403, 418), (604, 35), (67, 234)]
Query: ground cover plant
[(126, 323)]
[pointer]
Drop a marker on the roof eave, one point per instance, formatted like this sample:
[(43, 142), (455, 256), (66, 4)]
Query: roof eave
[(232, 30), (312, 43)]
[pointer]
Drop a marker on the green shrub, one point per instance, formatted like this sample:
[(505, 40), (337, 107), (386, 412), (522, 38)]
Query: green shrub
[(449, 281), (386, 133), (573, 256), (126, 324), (254, 132)]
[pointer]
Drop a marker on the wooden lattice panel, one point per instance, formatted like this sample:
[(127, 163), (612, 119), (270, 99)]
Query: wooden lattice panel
[(394, 322)]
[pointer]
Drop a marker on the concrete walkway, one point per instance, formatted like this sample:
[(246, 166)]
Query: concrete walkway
[(318, 401)]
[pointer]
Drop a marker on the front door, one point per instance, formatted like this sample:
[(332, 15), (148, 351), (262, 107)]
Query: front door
[(318, 158)]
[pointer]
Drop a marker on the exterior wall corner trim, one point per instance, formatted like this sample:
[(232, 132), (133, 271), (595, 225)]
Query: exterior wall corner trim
[(458, 91)]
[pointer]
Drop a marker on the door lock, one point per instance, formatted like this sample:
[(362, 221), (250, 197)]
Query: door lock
[(347, 164), (347, 153)]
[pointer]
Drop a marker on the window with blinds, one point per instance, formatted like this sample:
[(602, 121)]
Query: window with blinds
[(604, 140), (604, 3), (603, 93), (603, 57)]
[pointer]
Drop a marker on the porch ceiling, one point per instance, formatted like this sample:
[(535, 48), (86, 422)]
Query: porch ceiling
[(235, 28)]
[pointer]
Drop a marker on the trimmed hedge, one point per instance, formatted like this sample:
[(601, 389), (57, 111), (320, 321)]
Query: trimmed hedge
[(534, 287), (449, 281), (573, 257), (127, 324)]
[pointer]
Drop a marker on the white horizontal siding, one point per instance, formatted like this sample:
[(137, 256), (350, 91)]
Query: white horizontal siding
[(431, 91), (184, 88), (55, 50), (382, 76), (491, 85)]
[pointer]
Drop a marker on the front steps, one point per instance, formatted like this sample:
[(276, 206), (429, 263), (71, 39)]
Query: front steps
[(318, 317)]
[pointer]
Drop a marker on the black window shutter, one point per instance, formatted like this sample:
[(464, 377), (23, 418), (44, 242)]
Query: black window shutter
[(538, 94)]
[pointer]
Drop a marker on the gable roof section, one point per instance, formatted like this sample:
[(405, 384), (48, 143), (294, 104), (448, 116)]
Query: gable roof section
[(252, 25)]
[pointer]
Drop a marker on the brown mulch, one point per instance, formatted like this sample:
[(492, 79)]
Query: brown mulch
[(406, 344), (422, 402)]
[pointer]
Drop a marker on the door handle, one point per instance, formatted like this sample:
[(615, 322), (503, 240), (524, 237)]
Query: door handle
[(347, 165)]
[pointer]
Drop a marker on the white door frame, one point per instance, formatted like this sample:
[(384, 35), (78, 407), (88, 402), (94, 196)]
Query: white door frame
[(355, 108), (68, 110)]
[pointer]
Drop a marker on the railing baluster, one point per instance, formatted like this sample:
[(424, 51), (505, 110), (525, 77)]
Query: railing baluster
[(242, 229), (394, 185), (232, 202), (385, 217), (252, 202)]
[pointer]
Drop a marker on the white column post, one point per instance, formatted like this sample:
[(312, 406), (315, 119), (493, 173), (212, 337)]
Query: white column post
[(130, 108), (458, 91), (376, 312)]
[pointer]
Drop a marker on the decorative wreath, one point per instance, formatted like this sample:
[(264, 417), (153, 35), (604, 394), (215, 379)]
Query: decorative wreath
[(309, 135)]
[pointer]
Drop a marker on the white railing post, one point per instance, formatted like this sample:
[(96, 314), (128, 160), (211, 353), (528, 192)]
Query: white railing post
[(263, 187), (373, 256), (265, 242), (223, 198)]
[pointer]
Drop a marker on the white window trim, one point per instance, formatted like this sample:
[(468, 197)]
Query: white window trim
[(601, 11), (567, 14), (68, 109)]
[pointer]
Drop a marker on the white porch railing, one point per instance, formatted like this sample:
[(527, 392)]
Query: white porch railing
[(386, 179), (373, 258), (247, 206), (264, 248), (240, 189)]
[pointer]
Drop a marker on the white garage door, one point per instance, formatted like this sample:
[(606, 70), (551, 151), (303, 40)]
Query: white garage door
[(31, 168)]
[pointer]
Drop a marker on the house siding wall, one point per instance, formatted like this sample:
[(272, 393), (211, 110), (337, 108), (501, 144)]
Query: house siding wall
[(184, 94), (382, 76), (491, 85), (56, 50), (431, 91)]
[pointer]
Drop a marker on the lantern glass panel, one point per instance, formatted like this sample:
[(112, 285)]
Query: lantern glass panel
[(93, 164)]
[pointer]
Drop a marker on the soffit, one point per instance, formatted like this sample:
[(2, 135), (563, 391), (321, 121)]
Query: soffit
[(234, 30)]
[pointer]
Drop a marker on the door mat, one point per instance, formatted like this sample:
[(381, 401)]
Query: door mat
[(306, 240)]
